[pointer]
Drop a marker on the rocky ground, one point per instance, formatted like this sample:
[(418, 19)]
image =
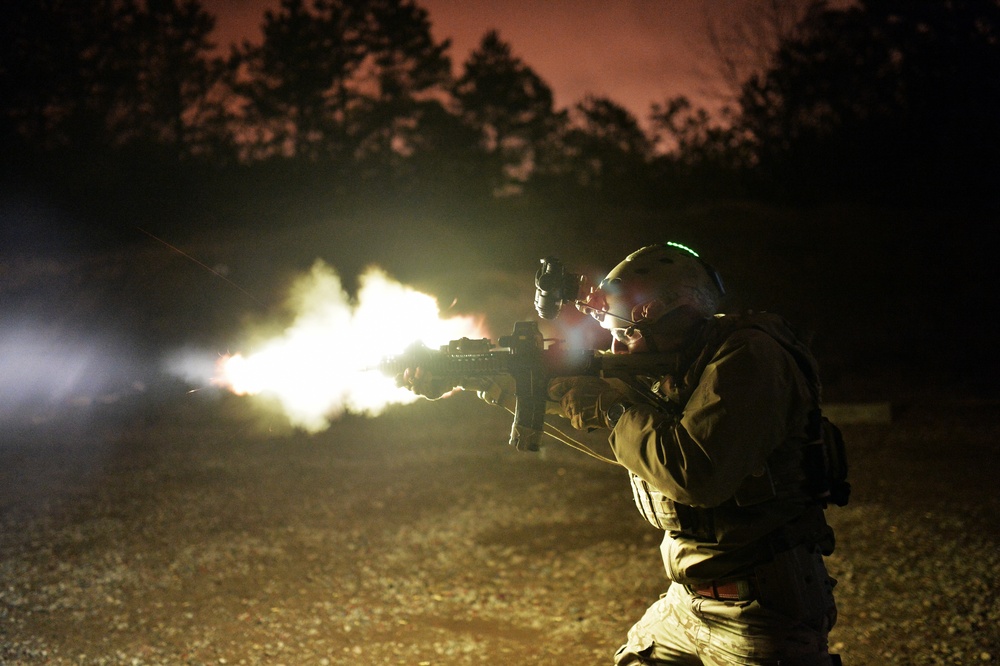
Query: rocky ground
[(175, 528)]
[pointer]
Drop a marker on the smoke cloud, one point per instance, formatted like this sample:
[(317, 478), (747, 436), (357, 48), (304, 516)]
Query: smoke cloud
[(319, 365)]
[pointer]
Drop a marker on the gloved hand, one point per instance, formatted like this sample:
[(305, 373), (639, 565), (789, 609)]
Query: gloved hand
[(585, 400), (422, 382), (494, 390), (498, 390)]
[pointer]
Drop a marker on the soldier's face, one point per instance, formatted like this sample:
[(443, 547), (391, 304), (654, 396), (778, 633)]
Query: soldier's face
[(667, 334)]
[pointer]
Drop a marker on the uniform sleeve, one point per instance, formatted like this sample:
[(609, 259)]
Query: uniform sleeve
[(743, 407)]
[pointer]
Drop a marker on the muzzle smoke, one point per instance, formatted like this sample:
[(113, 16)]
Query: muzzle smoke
[(318, 367)]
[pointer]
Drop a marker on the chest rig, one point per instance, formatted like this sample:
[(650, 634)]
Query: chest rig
[(806, 469)]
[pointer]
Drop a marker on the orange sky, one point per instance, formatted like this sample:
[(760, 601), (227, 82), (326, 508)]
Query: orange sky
[(634, 51)]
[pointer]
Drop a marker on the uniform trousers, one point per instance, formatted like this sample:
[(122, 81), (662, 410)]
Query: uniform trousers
[(686, 629)]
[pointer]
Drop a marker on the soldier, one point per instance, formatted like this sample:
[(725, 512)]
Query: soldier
[(723, 460)]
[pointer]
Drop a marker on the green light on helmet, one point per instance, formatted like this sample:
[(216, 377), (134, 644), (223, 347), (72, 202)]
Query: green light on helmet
[(685, 248)]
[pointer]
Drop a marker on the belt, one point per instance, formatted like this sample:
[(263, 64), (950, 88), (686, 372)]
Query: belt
[(744, 589)]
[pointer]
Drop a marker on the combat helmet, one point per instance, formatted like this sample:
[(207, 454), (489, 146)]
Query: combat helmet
[(653, 281)]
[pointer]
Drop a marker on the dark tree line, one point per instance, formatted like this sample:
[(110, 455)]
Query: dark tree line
[(890, 99), (887, 101), (106, 74)]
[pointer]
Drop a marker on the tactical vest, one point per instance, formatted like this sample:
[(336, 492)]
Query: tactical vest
[(806, 470)]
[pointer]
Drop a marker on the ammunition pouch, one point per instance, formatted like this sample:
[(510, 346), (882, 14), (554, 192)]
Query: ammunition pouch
[(824, 460), (665, 514)]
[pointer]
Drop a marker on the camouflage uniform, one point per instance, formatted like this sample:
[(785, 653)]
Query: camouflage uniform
[(722, 475)]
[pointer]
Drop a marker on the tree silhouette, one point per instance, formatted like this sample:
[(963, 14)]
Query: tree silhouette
[(60, 71), (745, 42), (168, 101), (411, 76), (295, 83), (885, 100), (512, 109), (105, 73), (691, 136), (608, 151), (698, 156), (339, 81)]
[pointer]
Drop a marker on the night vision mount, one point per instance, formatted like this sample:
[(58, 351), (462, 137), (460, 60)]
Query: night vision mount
[(554, 286)]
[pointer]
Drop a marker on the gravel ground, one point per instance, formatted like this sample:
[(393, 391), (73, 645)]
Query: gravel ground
[(192, 529)]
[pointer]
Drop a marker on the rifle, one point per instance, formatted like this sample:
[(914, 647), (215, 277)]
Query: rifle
[(524, 356)]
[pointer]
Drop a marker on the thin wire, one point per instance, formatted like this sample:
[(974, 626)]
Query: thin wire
[(207, 268), (559, 435), (579, 303)]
